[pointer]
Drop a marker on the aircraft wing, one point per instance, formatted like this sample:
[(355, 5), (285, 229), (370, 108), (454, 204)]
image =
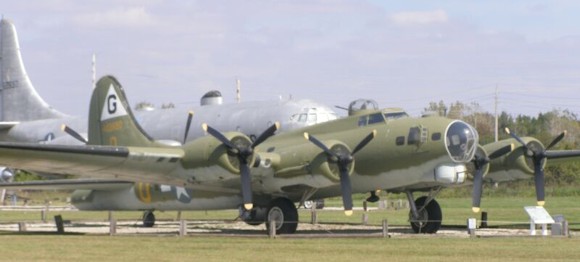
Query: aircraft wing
[(562, 155), (123, 163), (69, 184)]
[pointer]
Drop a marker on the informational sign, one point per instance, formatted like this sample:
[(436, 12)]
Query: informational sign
[(539, 215)]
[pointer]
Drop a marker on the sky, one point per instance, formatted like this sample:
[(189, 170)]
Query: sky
[(399, 53)]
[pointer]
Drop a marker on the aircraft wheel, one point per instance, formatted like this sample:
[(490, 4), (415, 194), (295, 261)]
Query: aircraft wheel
[(283, 212), (318, 204), (429, 220), (148, 219), (255, 217)]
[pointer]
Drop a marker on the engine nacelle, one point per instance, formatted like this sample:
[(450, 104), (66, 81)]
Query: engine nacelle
[(311, 159), (208, 151), (480, 152), (514, 165)]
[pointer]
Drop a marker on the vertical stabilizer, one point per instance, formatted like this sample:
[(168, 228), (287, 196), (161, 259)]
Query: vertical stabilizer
[(111, 121), (19, 101)]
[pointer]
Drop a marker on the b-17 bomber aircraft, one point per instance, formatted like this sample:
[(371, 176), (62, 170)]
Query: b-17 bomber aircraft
[(367, 151), (264, 175)]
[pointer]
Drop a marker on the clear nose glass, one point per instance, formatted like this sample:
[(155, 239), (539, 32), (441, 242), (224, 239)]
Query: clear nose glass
[(461, 140)]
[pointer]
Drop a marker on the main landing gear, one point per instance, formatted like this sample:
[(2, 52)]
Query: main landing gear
[(425, 215), (148, 218), (280, 210)]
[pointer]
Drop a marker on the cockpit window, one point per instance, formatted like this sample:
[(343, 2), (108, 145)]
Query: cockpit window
[(395, 115), (302, 118), (376, 118), (371, 119), (313, 116)]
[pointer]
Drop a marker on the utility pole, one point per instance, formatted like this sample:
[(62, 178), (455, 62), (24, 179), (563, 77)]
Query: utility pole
[(94, 69), (496, 116), (238, 90)]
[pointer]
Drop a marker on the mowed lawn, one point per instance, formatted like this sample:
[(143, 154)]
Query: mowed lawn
[(18, 247), (501, 211)]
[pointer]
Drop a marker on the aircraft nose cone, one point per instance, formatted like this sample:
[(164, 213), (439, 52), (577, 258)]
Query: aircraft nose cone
[(461, 140)]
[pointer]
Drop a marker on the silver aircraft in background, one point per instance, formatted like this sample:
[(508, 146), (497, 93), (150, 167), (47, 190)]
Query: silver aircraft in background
[(26, 117)]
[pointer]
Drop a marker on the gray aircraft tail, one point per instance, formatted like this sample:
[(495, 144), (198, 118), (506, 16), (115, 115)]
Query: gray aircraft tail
[(19, 101)]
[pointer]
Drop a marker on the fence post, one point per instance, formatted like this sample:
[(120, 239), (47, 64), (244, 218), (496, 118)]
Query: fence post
[(182, 228), (272, 231), (21, 227), (59, 224), (385, 228), (483, 223), (313, 217), (112, 227)]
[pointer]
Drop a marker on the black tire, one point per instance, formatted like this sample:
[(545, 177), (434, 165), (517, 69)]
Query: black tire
[(253, 219), (320, 204), (148, 219), (429, 219), (284, 212)]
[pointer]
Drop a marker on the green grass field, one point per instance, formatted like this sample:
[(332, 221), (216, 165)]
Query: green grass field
[(18, 247), (501, 211)]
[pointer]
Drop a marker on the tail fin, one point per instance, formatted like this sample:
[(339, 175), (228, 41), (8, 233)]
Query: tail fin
[(19, 101), (111, 121)]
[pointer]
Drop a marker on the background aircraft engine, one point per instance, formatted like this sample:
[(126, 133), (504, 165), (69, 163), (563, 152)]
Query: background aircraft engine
[(208, 151), (518, 159)]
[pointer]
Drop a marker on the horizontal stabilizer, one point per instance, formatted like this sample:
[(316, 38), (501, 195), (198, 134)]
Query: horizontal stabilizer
[(8, 125)]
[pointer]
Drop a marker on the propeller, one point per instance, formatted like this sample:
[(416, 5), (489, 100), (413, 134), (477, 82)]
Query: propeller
[(243, 152), (188, 125), (73, 133), (479, 162), (538, 157), (343, 159)]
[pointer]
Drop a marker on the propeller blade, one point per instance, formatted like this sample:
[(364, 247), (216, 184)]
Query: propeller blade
[(246, 184), (319, 144), (556, 140), (188, 125), (502, 151), (364, 142), (539, 180), (218, 135), (74, 134), (346, 189), (266, 134), (477, 190), (514, 136)]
